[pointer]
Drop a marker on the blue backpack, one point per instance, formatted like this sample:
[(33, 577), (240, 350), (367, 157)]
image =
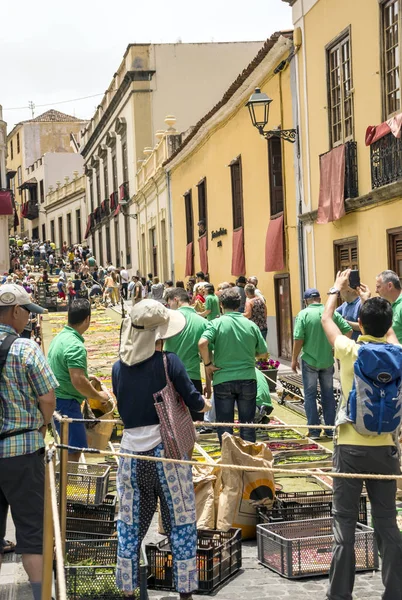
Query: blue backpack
[(375, 401)]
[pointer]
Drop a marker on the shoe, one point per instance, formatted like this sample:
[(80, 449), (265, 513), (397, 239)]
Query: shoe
[(186, 596), (316, 436), (7, 546), (206, 430)]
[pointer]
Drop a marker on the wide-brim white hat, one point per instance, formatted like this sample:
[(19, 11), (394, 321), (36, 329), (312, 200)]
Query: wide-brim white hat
[(149, 321)]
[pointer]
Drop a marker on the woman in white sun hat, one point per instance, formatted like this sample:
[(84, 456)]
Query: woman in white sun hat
[(137, 377)]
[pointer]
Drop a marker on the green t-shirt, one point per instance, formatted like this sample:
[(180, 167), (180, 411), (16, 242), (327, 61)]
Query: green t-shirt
[(263, 395), (67, 351), (316, 351), (91, 261), (185, 343), (235, 341), (397, 318), (212, 304)]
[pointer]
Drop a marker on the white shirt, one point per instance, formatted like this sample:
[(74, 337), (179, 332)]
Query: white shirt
[(124, 275), (25, 247), (197, 285), (141, 439)]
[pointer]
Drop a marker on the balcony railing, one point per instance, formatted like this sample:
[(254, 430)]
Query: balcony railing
[(124, 193), (32, 211), (386, 161), (351, 175)]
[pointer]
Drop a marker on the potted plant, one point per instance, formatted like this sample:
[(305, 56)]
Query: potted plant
[(270, 368)]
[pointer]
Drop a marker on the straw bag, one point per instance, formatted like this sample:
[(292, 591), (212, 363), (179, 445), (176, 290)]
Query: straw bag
[(177, 429), (98, 432)]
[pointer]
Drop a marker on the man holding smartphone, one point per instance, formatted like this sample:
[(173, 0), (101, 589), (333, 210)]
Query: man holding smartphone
[(350, 309)]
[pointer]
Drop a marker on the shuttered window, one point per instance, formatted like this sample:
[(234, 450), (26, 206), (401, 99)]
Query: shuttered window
[(391, 56), (202, 201), (340, 91), (395, 250), (346, 254), (237, 193), (188, 206), (275, 175)]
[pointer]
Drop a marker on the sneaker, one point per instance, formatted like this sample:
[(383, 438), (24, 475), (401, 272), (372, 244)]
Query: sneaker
[(315, 436), (205, 430)]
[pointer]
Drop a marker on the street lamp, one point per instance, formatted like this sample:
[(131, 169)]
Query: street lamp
[(258, 107)]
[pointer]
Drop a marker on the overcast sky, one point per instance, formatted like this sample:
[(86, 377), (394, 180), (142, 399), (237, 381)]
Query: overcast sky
[(56, 51)]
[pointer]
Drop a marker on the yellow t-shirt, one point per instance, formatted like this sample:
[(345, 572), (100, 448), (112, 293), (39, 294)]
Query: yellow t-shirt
[(346, 352)]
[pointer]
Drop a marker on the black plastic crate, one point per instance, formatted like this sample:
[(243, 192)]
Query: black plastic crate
[(299, 549), (96, 520), (99, 582), (86, 483), (305, 505), (98, 551), (218, 558)]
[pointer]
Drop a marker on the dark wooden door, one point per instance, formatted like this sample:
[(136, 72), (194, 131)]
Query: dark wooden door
[(284, 316), (275, 175)]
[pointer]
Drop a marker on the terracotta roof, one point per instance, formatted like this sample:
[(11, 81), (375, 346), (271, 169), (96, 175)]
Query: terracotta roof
[(269, 44), (53, 116)]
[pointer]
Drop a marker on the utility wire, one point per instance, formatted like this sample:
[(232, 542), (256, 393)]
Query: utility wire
[(54, 103)]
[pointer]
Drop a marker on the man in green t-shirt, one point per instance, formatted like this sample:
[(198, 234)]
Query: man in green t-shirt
[(388, 286), (236, 342), (185, 343), (211, 303), (67, 357), (317, 359)]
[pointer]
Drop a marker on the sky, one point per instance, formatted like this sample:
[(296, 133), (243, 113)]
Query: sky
[(57, 51)]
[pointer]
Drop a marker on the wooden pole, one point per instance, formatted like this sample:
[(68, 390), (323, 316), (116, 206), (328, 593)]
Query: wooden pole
[(63, 482), (47, 569)]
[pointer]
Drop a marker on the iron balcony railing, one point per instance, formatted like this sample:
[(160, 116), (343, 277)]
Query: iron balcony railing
[(386, 161)]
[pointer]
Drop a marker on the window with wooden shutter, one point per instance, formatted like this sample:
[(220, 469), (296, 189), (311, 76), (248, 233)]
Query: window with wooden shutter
[(340, 90), (237, 193), (390, 56), (346, 254), (188, 206), (202, 201), (395, 250), (275, 175)]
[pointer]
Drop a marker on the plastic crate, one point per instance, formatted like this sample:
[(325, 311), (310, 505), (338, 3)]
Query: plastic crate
[(86, 483), (94, 520), (305, 505), (298, 549), (218, 558), (98, 551), (99, 583)]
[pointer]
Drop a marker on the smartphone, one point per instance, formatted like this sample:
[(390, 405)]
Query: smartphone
[(354, 279)]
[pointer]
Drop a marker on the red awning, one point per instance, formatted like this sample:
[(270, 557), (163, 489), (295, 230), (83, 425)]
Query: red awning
[(6, 202), (24, 210), (202, 245), (122, 192), (238, 258), (376, 132), (274, 255), (88, 229), (331, 201), (116, 212), (189, 260)]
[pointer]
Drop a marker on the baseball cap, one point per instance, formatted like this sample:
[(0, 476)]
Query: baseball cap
[(12, 295), (149, 321), (311, 293)]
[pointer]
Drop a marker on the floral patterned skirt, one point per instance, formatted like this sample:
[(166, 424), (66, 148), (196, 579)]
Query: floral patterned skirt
[(140, 484)]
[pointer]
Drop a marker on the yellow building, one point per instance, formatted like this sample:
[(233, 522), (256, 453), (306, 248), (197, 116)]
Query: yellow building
[(348, 79), (242, 190), (28, 141)]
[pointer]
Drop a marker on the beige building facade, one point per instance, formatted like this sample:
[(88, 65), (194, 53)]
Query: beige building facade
[(65, 209), (5, 198), (151, 81), (28, 141)]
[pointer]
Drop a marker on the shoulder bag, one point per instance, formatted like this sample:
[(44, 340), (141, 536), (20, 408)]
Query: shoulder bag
[(177, 428)]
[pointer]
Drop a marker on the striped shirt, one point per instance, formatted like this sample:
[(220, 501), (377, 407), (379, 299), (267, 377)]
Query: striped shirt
[(26, 376)]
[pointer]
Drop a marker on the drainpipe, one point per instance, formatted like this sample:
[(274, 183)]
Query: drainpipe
[(170, 212)]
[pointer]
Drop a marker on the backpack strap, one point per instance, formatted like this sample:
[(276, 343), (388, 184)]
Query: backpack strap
[(6, 341)]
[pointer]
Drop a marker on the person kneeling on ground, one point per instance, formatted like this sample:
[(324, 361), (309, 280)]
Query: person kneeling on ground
[(143, 371), (370, 370), (68, 358)]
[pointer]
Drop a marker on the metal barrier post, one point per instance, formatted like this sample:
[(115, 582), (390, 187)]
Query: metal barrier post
[(47, 569), (64, 426)]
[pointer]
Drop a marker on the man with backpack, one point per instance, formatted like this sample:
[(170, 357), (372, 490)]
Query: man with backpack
[(366, 439), (27, 402)]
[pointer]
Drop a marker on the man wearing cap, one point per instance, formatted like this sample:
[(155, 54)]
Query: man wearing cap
[(317, 360), (27, 402), (68, 358), (240, 285)]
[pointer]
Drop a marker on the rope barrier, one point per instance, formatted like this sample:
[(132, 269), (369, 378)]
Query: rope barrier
[(61, 579), (62, 419), (234, 467)]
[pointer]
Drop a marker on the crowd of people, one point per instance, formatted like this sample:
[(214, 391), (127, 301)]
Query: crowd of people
[(201, 343)]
